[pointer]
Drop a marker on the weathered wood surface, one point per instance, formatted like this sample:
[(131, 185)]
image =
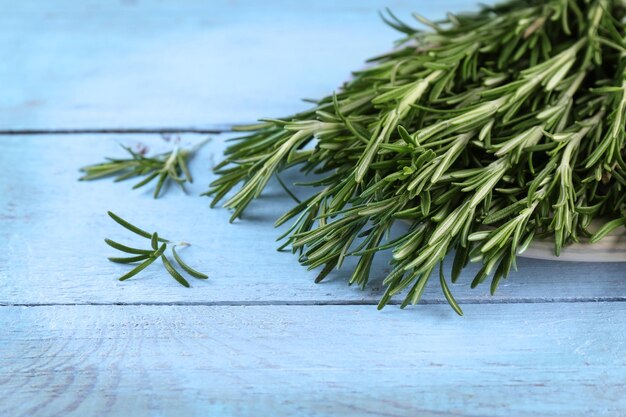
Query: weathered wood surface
[(52, 250), (185, 64), (501, 360), (258, 338)]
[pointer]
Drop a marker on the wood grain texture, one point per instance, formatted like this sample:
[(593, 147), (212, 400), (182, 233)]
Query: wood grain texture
[(258, 338), (514, 360), (52, 251), (185, 64)]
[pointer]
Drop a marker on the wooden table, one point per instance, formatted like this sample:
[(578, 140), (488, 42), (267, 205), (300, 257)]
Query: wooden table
[(258, 338)]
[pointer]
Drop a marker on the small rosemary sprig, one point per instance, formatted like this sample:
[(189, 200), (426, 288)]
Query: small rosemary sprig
[(158, 246), (165, 167), (485, 131)]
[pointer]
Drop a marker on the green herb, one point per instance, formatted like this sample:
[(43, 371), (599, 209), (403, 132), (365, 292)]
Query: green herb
[(485, 131), (148, 256), (186, 267), (166, 167)]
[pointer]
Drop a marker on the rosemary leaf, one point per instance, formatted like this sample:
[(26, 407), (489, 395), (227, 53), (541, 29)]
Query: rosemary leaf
[(186, 267), (133, 228), (174, 273), (129, 260), (143, 265), (125, 248)]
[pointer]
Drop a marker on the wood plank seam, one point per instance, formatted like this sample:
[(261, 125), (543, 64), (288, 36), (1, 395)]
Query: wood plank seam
[(102, 131), (322, 303)]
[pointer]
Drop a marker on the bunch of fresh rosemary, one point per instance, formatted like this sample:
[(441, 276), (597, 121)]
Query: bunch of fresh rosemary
[(486, 131)]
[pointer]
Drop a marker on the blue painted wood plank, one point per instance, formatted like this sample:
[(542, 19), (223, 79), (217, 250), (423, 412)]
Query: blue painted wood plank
[(52, 251), (514, 360), (194, 63)]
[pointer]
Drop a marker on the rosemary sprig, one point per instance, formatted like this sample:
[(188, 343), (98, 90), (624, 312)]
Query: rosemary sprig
[(485, 131), (148, 256), (166, 167)]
